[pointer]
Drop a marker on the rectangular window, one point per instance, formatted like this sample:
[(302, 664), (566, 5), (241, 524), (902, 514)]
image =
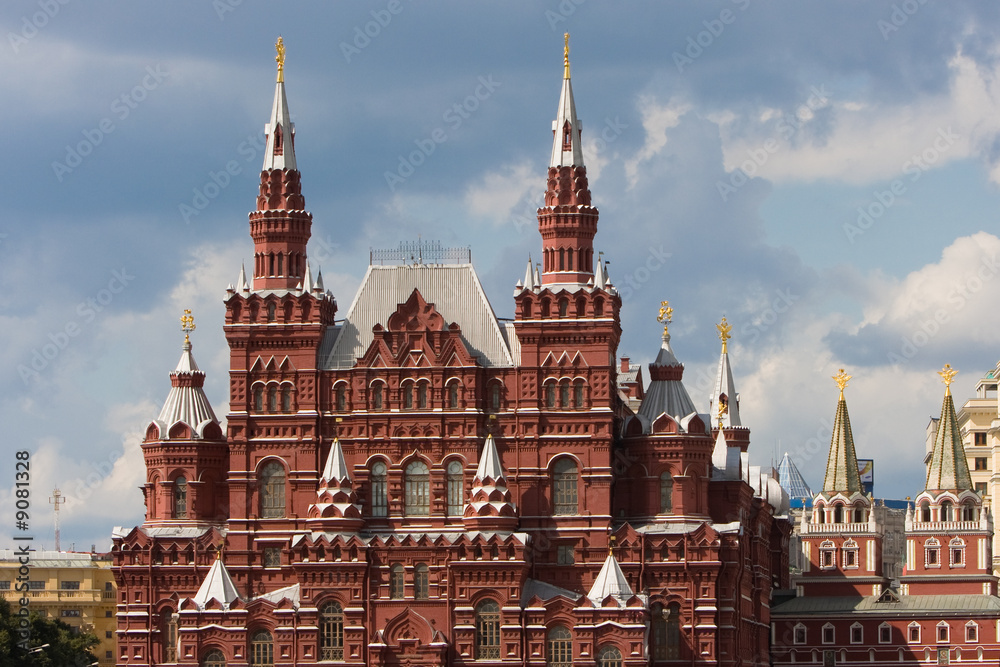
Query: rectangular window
[(942, 633), (422, 396), (408, 397), (565, 554), (828, 634), (4, 585), (982, 463), (914, 633), (109, 634), (564, 395), (377, 397), (69, 585), (885, 634), (932, 557), (36, 585), (972, 633), (800, 634), (272, 556), (70, 613), (980, 439), (850, 558), (341, 398), (957, 556), (453, 395), (857, 634), (981, 488), (550, 395)]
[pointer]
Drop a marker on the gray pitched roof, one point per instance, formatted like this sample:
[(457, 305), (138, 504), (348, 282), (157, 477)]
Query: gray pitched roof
[(869, 605), (456, 293)]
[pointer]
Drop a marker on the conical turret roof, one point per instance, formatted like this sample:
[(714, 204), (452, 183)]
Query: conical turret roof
[(792, 480), (218, 585), (187, 401), (948, 469), (842, 474), (610, 581)]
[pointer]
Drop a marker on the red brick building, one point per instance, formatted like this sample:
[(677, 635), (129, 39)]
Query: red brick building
[(945, 607), (422, 483)]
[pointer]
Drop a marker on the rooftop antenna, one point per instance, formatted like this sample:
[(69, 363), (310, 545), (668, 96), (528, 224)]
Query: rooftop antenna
[(57, 499)]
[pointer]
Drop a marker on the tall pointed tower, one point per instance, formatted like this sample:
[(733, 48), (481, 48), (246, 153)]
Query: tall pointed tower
[(949, 535), (724, 403), (841, 536)]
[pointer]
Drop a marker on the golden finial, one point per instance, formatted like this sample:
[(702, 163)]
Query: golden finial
[(566, 56), (723, 409), (841, 379), (611, 538), (666, 315), (947, 375), (222, 547), (187, 324), (724, 329), (279, 46)]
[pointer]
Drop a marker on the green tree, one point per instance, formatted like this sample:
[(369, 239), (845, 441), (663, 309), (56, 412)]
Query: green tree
[(66, 646)]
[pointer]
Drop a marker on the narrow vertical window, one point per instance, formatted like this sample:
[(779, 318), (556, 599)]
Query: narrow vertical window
[(341, 397), (658, 631), (380, 499), (258, 398), (422, 396), (564, 485), (666, 493), (495, 397), (550, 395), (272, 398), (170, 637), (396, 581), (456, 489), (421, 582), (286, 398), (408, 396), (560, 648), (453, 395), (377, 396), (331, 629), (564, 394), (578, 394), (673, 631), (272, 491), (180, 498), (417, 489), (488, 630)]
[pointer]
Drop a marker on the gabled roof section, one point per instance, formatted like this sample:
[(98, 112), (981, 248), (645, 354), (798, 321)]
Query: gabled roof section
[(948, 469), (842, 474), (792, 480), (456, 293), (218, 585), (610, 581), (187, 401)]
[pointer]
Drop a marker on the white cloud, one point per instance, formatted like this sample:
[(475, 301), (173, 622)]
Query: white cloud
[(498, 192), (656, 120)]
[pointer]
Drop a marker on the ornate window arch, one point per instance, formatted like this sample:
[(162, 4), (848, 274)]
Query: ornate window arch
[(857, 633), (827, 555), (850, 554), (379, 489), (932, 553), (799, 633), (565, 477), (377, 395), (971, 632), (258, 397), (913, 633), (549, 387), (180, 497), (947, 510), (406, 394), (829, 634), (340, 396), (487, 621), (397, 580), (331, 631), (272, 397), (421, 581), (214, 658), (272, 490), (609, 656), (956, 552), (885, 633), (452, 393), (261, 649), (418, 489), (943, 632), (286, 397), (456, 488), (422, 391), (559, 647)]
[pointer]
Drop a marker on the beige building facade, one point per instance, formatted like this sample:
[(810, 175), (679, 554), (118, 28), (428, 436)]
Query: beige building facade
[(76, 588)]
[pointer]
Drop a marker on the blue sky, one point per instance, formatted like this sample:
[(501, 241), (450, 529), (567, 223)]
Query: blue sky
[(825, 175)]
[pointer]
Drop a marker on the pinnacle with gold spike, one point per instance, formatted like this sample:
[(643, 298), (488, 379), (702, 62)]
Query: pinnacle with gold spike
[(187, 324), (947, 376), (566, 55), (279, 46), (842, 379), (666, 316), (724, 329)]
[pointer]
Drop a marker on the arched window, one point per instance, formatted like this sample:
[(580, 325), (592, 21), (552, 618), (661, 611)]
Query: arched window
[(925, 511), (564, 483), (261, 649), (494, 397), (180, 498), (286, 398), (609, 656), (563, 306), (380, 496), (968, 512), (418, 496), (550, 394), (838, 513), (407, 390), (214, 658), (456, 489), (560, 648), (947, 511), (340, 397), (169, 637), (488, 630), (272, 398), (272, 490), (658, 631), (578, 394), (258, 398), (422, 396), (453, 395), (396, 581), (421, 582), (674, 631), (331, 632), (859, 514), (377, 396), (666, 493), (272, 311), (564, 394)]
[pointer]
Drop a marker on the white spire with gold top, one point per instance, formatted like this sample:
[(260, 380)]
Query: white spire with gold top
[(218, 586), (611, 582), (279, 153), (336, 506), (186, 401), (490, 505), (724, 404), (566, 148)]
